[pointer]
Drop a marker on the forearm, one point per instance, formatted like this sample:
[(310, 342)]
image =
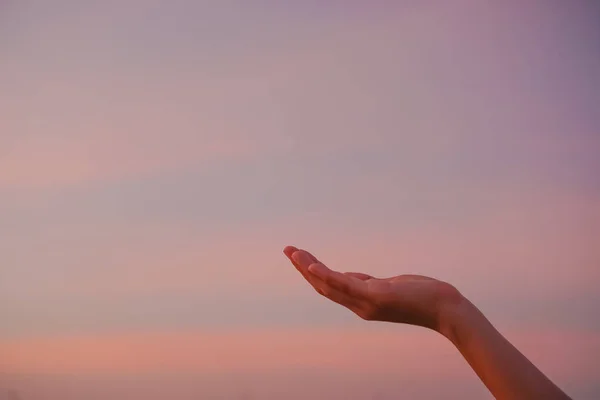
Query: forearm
[(507, 373)]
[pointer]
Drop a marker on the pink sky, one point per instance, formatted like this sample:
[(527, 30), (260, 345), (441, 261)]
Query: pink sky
[(155, 158)]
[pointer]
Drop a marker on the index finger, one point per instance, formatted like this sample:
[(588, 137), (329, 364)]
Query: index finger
[(348, 284)]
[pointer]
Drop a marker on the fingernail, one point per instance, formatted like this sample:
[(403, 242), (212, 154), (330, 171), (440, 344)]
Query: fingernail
[(289, 250), (317, 269), (297, 257), (302, 258)]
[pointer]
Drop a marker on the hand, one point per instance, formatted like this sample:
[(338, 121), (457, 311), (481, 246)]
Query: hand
[(410, 299), (423, 301)]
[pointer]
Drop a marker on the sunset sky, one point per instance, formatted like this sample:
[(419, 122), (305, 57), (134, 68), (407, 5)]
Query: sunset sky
[(156, 157)]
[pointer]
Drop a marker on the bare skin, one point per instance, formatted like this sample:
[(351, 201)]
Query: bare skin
[(423, 301)]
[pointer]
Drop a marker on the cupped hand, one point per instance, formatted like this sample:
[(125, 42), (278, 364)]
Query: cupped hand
[(410, 299)]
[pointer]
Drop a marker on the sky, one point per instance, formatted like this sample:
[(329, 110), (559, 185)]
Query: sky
[(156, 157)]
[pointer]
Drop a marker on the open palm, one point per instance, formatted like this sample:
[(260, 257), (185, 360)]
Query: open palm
[(424, 301), (411, 299)]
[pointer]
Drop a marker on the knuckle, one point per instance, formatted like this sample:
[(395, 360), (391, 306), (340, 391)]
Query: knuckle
[(321, 291), (330, 280), (337, 283), (342, 286), (378, 302), (366, 313), (365, 316)]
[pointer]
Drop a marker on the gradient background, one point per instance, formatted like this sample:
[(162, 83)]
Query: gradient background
[(156, 157)]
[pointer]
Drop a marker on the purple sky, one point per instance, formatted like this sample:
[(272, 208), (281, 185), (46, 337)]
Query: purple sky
[(155, 157)]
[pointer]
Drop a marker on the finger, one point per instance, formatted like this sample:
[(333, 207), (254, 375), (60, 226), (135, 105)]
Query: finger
[(349, 285), (359, 275), (346, 284), (333, 294), (418, 277), (406, 277), (338, 297), (303, 259), (313, 258), (289, 250)]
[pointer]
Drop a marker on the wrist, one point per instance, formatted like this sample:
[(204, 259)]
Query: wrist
[(453, 314)]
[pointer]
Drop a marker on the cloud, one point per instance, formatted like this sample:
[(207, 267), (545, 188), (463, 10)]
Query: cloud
[(566, 356), (52, 163), (506, 232), (205, 352), (537, 246), (347, 85), (77, 130)]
